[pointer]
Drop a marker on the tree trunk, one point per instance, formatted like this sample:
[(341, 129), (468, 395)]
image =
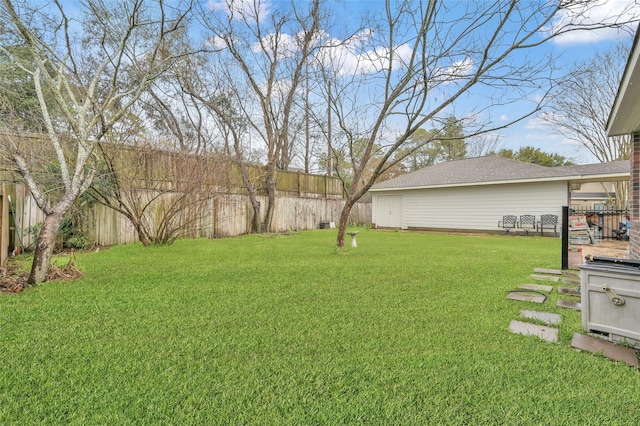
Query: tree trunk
[(44, 249), (344, 219), (271, 202), (271, 199), (255, 221), (142, 234)]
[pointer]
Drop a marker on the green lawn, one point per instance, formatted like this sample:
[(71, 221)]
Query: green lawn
[(405, 329)]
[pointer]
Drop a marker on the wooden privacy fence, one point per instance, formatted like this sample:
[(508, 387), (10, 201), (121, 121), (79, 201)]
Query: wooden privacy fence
[(228, 215), (216, 203), (4, 225), (149, 168)]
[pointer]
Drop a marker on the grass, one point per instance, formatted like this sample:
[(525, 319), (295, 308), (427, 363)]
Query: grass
[(405, 329)]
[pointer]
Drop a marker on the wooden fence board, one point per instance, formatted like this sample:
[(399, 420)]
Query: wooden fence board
[(227, 215), (4, 225), (303, 201)]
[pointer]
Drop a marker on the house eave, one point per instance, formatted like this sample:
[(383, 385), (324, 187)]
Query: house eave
[(608, 177), (624, 118)]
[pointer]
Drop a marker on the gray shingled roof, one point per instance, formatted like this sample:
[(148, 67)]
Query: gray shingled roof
[(493, 169)]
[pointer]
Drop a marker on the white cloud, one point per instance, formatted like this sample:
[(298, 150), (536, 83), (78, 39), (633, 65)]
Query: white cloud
[(335, 54), (537, 97), (345, 58), (458, 70), (287, 45), (284, 45), (216, 42), (594, 13), (241, 9), (281, 88), (551, 117), (504, 117), (359, 39), (540, 136), (571, 142), (537, 123), (402, 55), (376, 60)]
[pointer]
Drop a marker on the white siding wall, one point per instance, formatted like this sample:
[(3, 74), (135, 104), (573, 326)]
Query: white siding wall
[(477, 208)]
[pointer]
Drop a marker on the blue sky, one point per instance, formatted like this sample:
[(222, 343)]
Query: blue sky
[(571, 49)]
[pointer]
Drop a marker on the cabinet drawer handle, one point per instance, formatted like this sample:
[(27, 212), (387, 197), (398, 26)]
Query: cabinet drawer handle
[(615, 299)]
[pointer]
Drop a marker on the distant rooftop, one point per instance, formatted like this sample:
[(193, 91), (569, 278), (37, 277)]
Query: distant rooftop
[(493, 170)]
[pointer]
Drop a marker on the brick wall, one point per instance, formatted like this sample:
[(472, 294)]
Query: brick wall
[(634, 202)]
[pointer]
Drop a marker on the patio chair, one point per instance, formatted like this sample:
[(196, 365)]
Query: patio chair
[(508, 222), (548, 221), (527, 222), (622, 233)]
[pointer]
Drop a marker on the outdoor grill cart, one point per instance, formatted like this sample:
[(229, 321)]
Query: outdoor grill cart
[(610, 298)]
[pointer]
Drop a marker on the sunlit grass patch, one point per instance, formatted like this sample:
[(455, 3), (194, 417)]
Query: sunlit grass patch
[(404, 329)]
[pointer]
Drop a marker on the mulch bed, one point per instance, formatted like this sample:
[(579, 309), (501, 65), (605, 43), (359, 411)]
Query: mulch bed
[(13, 279)]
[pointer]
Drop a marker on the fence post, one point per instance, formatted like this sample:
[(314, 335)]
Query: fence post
[(565, 237), (4, 225)]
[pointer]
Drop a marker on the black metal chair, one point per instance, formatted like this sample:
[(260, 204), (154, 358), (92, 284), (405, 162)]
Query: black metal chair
[(527, 222), (508, 222), (548, 221), (622, 233)]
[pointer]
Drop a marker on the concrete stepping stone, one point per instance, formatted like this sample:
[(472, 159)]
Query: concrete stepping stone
[(544, 277), (544, 332), (547, 271), (527, 297), (569, 304), (570, 282), (569, 291), (606, 349), (546, 317), (538, 287), (571, 274)]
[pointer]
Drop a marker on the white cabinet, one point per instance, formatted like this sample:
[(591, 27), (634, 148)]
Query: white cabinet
[(610, 293)]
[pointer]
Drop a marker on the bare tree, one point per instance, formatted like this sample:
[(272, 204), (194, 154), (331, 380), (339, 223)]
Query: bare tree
[(175, 113), (90, 81), (581, 104), (164, 194), (269, 63), (582, 101), (213, 92), (484, 144), (233, 125), (417, 62)]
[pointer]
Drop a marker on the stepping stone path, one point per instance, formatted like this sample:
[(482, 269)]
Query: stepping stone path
[(547, 271), (549, 334), (544, 332), (537, 287), (570, 281), (545, 277), (545, 317), (606, 349), (569, 304), (569, 291), (527, 297)]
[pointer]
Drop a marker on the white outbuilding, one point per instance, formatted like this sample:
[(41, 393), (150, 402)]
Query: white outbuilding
[(473, 194)]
